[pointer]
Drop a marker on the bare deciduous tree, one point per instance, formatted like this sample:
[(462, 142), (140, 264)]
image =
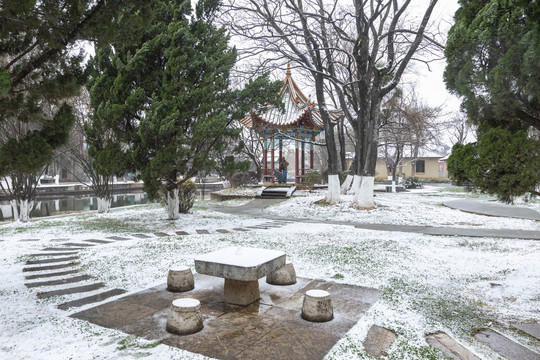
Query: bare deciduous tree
[(359, 49)]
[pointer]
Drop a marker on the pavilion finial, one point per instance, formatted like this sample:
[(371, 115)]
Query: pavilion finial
[(288, 68)]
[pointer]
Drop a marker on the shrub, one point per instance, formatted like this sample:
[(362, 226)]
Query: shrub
[(312, 177), (413, 182), (244, 178), (186, 196)]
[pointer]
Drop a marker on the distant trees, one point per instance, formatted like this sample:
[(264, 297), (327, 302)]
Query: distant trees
[(40, 67), (407, 126), (493, 63), (168, 100)]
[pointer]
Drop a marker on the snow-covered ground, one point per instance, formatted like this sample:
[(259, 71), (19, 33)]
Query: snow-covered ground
[(451, 284)]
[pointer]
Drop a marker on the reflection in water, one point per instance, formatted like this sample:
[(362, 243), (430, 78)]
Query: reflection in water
[(72, 203)]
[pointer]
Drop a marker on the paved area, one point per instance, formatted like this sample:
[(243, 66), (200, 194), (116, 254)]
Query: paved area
[(492, 208), (255, 209), (271, 328)]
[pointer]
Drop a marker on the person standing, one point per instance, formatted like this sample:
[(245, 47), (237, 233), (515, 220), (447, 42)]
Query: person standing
[(283, 168)]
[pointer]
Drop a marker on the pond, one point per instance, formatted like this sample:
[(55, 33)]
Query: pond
[(67, 204)]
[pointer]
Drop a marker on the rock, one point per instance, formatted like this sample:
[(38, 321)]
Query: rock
[(379, 340)]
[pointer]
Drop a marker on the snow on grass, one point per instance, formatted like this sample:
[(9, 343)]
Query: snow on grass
[(422, 207), (451, 284)]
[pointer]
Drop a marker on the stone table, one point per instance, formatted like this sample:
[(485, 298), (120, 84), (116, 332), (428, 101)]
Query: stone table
[(241, 267)]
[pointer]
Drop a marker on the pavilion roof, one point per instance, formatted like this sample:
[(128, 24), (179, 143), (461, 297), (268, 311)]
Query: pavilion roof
[(299, 111)]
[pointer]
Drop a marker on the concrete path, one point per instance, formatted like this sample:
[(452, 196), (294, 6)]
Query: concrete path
[(492, 208), (255, 208)]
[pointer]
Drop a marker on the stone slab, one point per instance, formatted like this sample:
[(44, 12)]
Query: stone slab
[(532, 329), (50, 267), (62, 248), (58, 240), (29, 240), (240, 263), (449, 347), (267, 329), (71, 280), (202, 231), (97, 241), (118, 238), (379, 340), (59, 273), (141, 236), (223, 231), (161, 234), (91, 299), (73, 290), (182, 233), (55, 253), (505, 346), (240, 229), (51, 261), (78, 245)]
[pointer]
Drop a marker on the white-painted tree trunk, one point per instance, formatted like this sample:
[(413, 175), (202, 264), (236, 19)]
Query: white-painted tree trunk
[(103, 205), (347, 184), (355, 185), (15, 209), (333, 193), (173, 205), (363, 198), (393, 186), (25, 207)]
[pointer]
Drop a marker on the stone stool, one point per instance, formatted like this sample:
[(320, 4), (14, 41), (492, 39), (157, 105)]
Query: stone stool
[(282, 276), (317, 306), (180, 278), (185, 317)]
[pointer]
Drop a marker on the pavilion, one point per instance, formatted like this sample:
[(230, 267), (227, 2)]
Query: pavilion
[(299, 121)]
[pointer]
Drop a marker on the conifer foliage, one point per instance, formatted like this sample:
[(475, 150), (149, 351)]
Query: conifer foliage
[(493, 56), (168, 99)]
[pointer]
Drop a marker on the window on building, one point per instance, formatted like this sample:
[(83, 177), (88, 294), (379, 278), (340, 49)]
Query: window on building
[(420, 166)]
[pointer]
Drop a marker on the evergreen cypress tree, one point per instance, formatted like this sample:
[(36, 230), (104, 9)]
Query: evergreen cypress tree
[(169, 99)]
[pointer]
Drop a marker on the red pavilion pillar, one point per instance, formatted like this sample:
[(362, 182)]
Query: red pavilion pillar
[(265, 157), (280, 149), (296, 162), (303, 158), (272, 159), (311, 152)]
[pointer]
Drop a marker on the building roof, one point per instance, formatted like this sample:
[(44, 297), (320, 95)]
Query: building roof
[(299, 111)]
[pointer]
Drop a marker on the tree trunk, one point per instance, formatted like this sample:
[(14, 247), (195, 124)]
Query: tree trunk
[(104, 205), (355, 187), (363, 199), (347, 184), (332, 195), (15, 209), (25, 207), (173, 205)]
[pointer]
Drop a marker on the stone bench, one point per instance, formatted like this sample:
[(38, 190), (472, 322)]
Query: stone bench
[(184, 317)]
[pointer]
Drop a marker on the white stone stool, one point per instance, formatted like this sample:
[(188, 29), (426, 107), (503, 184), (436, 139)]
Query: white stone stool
[(317, 306), (180, 279), (285, 275), (185, 317)]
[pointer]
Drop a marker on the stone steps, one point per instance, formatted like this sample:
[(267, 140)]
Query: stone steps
[(450, 347), (505, 346), (91, 299)]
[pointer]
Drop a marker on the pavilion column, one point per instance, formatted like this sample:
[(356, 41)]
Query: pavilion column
[(265, 157), (280, 149), (296, 162), (272, 159), (311, 151), (303, 158)]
